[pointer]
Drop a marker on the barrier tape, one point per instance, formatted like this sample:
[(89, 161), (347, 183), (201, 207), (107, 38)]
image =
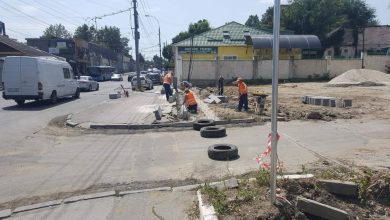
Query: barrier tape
[(260, 158)]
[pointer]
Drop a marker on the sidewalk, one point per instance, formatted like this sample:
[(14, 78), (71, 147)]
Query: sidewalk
[(148, 205), (136, 109)]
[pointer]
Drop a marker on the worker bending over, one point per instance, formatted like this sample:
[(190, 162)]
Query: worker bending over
[(243, 92), (189, 101)]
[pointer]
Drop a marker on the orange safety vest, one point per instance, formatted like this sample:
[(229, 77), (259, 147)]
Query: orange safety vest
[(242, 88), (190, 99), (168, 79)]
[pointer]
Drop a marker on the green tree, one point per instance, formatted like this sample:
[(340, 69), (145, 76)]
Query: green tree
[(111, 38), (56, 31), (85, 32), (253, 21), (193, 29), (157, 61), (167, 52)]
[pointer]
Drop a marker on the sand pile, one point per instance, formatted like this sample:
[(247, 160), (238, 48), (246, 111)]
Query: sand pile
[(362, 77)]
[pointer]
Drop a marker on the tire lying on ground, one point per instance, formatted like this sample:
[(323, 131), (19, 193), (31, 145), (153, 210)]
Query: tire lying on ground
[(223, 152), (203, 123), (213, 132)]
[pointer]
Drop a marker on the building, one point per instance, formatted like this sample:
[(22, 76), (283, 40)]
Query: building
[(80, 53), (230, 51), (375, 40), (9, 47)]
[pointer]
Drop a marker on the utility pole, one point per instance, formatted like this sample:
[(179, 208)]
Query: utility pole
[(137, 37)]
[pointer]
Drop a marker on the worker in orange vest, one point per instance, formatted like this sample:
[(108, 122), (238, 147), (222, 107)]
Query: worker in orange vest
[(189, 101), (243, 92), (167, 84)]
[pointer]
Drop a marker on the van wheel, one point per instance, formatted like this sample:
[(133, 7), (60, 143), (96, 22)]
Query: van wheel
[(97, 87), (53, 97), (20, 101), (77, 94)]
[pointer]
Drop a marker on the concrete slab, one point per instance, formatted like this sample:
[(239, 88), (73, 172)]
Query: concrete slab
[(207, 212), (186, 188), (321, 210), (73, 199), (38, 206), (5, 213), (338, 187)]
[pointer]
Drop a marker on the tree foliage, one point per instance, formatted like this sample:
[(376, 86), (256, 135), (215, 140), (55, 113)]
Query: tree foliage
[(85, 32), (321, 17), (167, 52), (253, 21), (193, 29), (56, 31)]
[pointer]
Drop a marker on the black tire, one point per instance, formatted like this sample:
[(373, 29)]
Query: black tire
[(213, 132), (203, 123), (77, 94), (20, 101), (223, 152), (97, 87), (53, 97)]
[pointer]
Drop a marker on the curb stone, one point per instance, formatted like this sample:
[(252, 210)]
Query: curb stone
[(38, 206), (5, 213), (207, 212), (73, 199), (338, 187), (185, 188), (321, 210), (145, 190), (99, 195)]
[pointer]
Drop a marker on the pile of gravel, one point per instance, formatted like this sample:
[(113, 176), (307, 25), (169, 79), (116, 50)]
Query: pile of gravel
[(361, 77)]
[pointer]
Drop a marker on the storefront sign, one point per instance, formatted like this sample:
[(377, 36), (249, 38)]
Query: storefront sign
[(198, 50)]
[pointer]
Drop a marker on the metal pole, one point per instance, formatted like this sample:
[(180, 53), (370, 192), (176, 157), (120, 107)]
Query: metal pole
[(274, 116), (137, 37), (159, 43), (363, 51)]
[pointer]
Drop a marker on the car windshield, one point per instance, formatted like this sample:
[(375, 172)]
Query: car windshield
[(84, 78)]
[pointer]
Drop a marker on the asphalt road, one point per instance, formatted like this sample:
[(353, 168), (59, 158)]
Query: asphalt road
[(37, 161)]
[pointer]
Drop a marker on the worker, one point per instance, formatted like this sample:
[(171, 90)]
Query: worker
[(189, 101), (220, 85), (167, 84), (243, 92)]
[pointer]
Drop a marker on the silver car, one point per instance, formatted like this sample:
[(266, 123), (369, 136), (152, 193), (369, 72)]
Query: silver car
[(146, 82), (116, 77), (86, 83)]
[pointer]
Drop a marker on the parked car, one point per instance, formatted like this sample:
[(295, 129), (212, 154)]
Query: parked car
[(116, 77), (155, 77), (146, 82), (38, 78), (87, 83), (131, 75)]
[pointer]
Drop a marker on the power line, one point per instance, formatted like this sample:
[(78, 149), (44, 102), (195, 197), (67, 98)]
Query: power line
[(57, 11), (19, 11)]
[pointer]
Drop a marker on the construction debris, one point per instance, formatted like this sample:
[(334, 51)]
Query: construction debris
[(327, 101)]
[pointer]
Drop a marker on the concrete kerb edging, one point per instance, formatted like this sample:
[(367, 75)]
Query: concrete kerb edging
[(69, 121), (167, 125), (8, 212), (207, 212)]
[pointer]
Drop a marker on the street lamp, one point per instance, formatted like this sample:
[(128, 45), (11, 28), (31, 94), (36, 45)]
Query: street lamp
[(159, 35)]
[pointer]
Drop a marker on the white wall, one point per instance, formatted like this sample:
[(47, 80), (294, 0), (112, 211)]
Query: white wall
[(211, 69)]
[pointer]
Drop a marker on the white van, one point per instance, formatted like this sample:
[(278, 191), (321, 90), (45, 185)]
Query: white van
[(38, 78)]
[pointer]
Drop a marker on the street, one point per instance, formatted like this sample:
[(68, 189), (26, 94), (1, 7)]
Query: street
[(42, 160)]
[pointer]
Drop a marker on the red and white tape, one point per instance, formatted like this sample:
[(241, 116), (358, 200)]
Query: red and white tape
[(260, 158)]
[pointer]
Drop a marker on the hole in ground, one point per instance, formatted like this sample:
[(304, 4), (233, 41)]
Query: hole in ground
[(222, 148)]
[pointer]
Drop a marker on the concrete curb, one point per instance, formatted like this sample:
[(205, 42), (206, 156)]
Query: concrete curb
[(145, 190), (318, 209), (166, 125), (38, 206), (5, 213), (206, 212)]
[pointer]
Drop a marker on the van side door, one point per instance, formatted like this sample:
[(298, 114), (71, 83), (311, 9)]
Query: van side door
[(68, 87)]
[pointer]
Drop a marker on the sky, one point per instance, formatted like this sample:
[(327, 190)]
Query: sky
[(29, 18)]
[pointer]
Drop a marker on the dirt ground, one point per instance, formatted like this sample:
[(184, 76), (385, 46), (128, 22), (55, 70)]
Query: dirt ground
[(367, 102), (251, 200)]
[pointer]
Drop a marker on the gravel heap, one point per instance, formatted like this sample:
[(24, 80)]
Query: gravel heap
[(361, 77)]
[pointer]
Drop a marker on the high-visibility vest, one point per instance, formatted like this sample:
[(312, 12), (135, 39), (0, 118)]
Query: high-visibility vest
[(190, 99), (168, 79), (242, 88)]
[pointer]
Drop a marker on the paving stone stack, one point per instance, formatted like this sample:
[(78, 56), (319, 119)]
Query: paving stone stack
[(326, 101)]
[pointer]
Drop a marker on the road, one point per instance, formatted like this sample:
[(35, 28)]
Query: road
[(37, 160)]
